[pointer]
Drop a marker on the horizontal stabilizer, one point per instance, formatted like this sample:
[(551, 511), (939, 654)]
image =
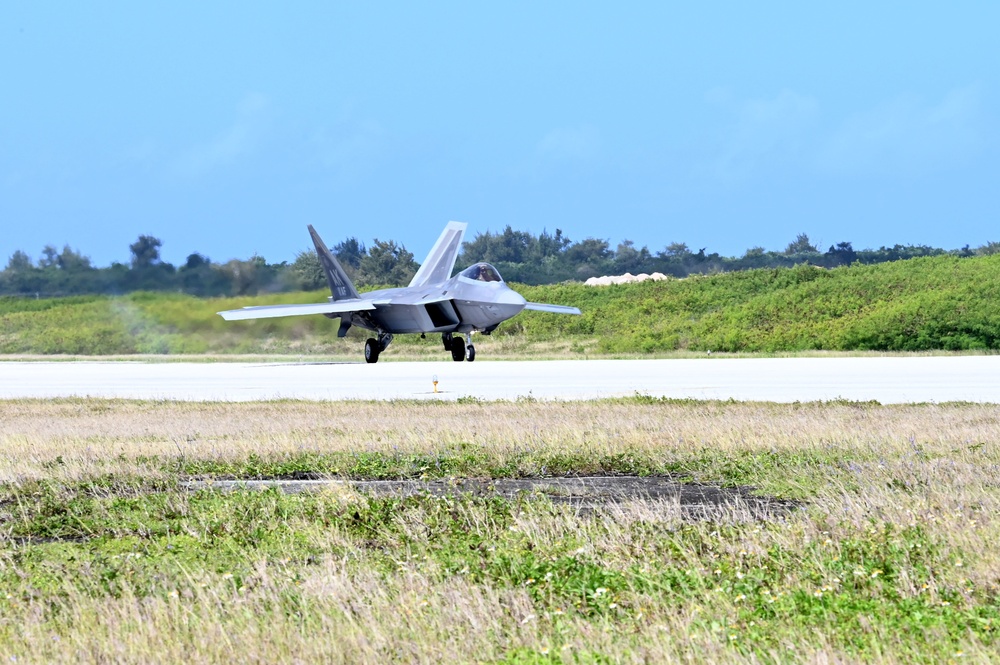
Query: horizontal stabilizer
[(275, 311), (555, 309)]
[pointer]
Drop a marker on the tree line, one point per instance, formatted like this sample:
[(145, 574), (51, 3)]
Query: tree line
[(520, 256)]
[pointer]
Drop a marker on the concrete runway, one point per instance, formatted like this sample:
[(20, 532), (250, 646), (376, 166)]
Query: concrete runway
[(888, 380)]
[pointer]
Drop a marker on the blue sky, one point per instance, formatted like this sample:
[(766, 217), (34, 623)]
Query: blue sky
[(225, 128)]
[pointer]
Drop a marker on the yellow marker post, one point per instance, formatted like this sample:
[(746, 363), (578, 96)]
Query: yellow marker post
[(435, 380)]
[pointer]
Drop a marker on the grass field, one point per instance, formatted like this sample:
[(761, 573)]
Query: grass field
[(937, 303), (105, 557)]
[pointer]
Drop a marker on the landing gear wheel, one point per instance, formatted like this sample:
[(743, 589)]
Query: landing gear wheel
[(371, 350), (470, 353), (458, 349)]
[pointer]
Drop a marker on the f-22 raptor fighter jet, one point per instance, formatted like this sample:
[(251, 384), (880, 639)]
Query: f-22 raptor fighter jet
[(474, 300)]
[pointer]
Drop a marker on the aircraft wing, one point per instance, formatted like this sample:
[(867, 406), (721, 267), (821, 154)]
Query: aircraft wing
[(555, 309), (440, 261), (274, 311)]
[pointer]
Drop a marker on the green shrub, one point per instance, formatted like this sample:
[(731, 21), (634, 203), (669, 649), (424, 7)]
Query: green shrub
[(940, 302)]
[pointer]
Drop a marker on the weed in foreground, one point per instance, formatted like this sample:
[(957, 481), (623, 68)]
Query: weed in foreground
[(390, 574), (102, 556)]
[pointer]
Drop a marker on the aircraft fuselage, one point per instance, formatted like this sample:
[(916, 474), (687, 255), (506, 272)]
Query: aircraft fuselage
[(474, 300), (459, 304)]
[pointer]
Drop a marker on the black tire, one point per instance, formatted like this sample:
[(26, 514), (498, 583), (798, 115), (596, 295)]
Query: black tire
[(470, 353), (458, 349), (371, 350)]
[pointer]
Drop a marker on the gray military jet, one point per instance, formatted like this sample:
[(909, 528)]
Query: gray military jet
[(474, 300)]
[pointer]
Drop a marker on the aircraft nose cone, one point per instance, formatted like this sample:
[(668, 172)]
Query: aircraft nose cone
[(511, 297)]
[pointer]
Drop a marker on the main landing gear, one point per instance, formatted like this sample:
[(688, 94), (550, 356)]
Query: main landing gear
[(459, 349), (373, 347)]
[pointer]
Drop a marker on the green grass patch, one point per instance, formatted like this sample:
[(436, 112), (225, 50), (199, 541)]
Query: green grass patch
[(933, 303)]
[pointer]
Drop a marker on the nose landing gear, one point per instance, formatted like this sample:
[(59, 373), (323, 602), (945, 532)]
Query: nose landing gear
[(470, 351)]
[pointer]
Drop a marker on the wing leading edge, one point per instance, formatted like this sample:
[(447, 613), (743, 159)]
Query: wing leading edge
[(555, 309), (274, 311)]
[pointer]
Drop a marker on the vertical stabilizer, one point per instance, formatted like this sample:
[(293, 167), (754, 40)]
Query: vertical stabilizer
[(341, 287), (440, 262)]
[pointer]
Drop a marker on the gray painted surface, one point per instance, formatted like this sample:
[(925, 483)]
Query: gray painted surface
[(888, 380), (688, 499)]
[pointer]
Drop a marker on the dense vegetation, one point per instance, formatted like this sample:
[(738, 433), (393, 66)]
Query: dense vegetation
[(942, 302), (520, 256)]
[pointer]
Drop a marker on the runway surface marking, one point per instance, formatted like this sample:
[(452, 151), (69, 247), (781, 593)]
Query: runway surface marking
[(887, 380)]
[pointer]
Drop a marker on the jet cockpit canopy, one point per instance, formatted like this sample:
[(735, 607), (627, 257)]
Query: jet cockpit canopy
[(482, 272)]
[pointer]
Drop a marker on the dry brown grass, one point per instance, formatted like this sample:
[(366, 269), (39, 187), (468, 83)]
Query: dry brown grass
[(87, 432)]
